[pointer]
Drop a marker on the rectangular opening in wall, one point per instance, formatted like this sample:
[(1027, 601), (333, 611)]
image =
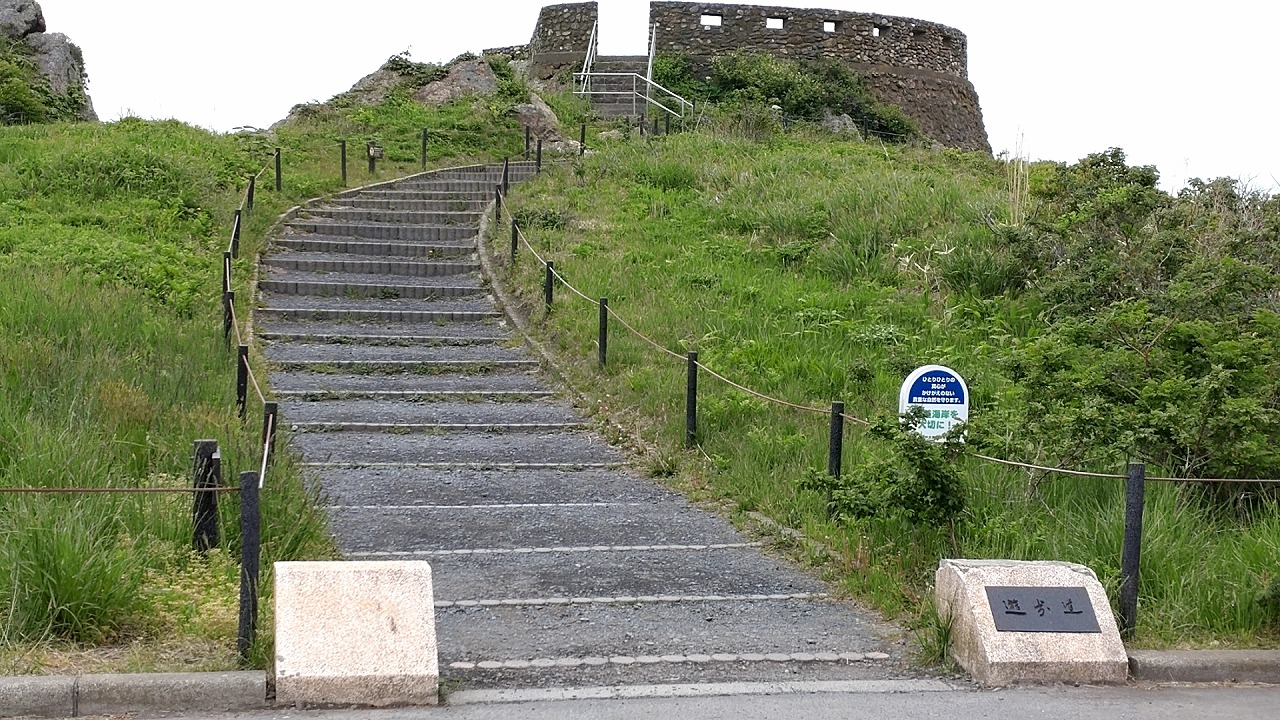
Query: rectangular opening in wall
[(831, 26), (879, 30), (917, 33), (710, 21), (774, 23)]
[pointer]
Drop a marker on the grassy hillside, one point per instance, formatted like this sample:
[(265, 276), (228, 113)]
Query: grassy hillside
[(112, 363), (1096, 320)]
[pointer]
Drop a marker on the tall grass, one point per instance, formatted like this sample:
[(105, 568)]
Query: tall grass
[(812, 271), (112, 363)]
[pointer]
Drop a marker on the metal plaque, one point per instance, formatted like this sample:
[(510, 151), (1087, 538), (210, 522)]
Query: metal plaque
[(1042, 609)]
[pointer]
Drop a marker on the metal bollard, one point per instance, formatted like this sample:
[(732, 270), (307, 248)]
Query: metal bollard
[(250, 559), (279, 179), (1131, 552), (242, 381), (691, 403), (548, 285), (515, 240), (835, 450), (604, 331)]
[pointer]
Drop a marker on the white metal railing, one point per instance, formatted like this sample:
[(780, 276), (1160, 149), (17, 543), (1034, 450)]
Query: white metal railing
[(590, 59), (642, 91)]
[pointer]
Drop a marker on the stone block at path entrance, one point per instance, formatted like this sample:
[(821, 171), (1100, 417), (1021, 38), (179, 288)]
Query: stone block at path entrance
[(355, 633), (1030, 622)]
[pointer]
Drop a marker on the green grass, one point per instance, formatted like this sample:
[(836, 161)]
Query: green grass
[(112, 363), (813, 271)]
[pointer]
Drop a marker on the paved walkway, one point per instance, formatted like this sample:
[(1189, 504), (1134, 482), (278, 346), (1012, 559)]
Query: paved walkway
[(434, 436)]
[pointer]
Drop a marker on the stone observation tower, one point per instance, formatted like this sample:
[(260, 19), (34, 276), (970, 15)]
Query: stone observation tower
[(922, 67)]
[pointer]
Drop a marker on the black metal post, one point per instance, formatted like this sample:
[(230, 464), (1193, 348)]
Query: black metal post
[(242, 381), (270, 418), (228, 305), (424, 148), (279, 180), (548, 285), (655, 125), (582, 141), (204, 506), (666, 125), (373, 161), (253, 191), (497, 203), (691, 403), (604, 331), (506, 174), (538, 162), (515, 239), (342, 144), (1130, 554), (528, 144), (835, 449), (235, 234), (250, 558)]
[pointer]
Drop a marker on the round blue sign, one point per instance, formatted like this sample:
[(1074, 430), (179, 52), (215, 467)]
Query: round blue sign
[(943, 395)]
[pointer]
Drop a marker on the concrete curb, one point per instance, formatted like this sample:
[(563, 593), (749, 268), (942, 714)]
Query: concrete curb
[(66, 696), (1205, 666)]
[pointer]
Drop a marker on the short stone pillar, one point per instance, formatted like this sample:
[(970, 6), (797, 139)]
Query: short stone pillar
[(355, 633), (1030, 622)]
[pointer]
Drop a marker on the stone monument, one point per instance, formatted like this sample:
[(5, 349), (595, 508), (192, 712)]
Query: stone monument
[(1030, 622)]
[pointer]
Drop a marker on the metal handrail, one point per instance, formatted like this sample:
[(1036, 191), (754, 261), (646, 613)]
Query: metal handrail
[(589, 60), (636, 78)]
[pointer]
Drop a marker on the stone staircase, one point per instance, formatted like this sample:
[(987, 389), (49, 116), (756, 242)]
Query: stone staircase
[(433, 436), (619, 105)]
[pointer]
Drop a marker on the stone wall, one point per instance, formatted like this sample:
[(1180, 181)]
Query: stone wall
[(809, 34), (922, 67), (560, 39)]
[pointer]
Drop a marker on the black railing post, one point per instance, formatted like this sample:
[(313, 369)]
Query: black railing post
[(253, 191), (528, 136), (228, 315), (655, 125), (342, 145), (835, 450), (1130, 554), (226, 270), (270, 417), (666, 126), (424, 148), (604, 331), (235, 233), (279, 180), (204, 506), (548, 285), (538, 161), (515, 239), (691, 403), (497, 203), (506, 175), (250, 557), (242, 381), (582, 141)]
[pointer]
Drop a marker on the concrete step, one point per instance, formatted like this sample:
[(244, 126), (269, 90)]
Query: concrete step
[(363, 529), (429, 195), (463, 486), (476, 205), (351, 285), (366, 248), (317, 262), (541, 450), (498, 385), (384, 231), (448, 186), (349, 414), (412, 217), (383, 333), (336, 357), (680, 571), (801, 625), (288, 307)]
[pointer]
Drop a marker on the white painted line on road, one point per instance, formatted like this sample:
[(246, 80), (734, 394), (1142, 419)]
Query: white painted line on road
[(623, 692), (673, 659), (627, 600), (579, 549)]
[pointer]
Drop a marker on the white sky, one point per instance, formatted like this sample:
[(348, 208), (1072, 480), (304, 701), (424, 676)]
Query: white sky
[(1189, 87)]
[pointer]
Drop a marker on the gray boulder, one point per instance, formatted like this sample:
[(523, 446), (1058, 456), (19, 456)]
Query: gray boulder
[(543, 123), (469, 77), (840, 124), (20, 18), (62, 64)]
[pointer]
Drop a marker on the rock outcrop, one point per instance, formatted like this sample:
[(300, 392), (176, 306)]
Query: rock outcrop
[(469, 77), (58, 61)]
